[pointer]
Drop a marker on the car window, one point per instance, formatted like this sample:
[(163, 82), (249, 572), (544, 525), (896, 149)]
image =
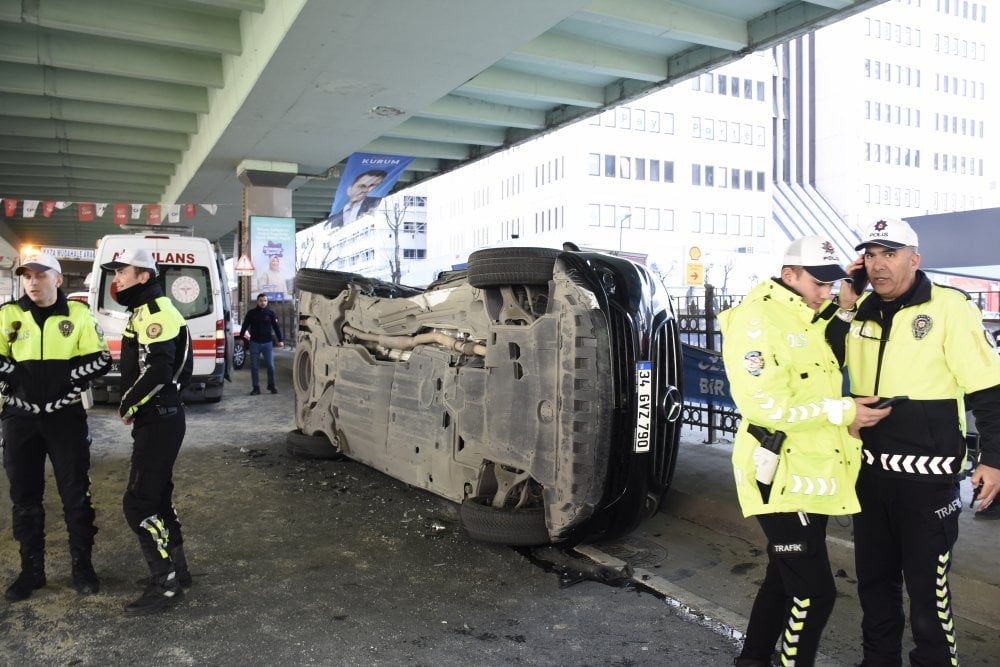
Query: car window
[(189, 287)]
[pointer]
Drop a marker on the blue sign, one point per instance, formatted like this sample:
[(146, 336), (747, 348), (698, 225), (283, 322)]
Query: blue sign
[(705, 378), (367, 178)]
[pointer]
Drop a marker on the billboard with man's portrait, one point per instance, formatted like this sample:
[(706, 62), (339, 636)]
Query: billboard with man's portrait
[(367, 178), (272, 252)]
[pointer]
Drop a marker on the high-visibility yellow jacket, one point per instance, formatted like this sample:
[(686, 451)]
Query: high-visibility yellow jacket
[(45, 368), (784, 376), (930, 345)]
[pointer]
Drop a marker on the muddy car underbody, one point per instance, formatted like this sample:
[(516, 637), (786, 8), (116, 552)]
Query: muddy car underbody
[(513, 395)]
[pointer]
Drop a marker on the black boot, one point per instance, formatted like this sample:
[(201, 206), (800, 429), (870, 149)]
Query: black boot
[(180, 567), (163, 590), (32, 577), (84, 578)]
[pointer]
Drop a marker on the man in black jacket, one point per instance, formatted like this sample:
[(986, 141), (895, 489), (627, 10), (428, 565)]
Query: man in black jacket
[(262, 321)]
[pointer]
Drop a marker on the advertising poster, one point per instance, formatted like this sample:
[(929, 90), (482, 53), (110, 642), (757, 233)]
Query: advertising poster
[(272, 251), (367, 178)]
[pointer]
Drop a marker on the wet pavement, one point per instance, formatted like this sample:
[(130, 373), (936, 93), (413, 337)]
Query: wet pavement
[(303, 562)]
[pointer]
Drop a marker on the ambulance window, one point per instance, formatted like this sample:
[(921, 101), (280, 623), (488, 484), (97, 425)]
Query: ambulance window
[(189, 288)]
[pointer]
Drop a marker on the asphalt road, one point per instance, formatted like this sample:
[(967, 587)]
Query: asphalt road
[(300, 562)]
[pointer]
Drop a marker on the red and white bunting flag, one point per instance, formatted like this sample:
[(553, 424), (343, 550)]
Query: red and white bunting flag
[(190, 210), (47, 208), (85, 212), (153, 214), (121, 214), (10, 207), (30, 206), (63, 204), (173, 213), (211, 208), (136, 211), (99, 208)]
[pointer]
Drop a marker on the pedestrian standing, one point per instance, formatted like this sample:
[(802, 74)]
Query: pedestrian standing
[(262, 323), (926, 341), (50, 349), (794, 460), (156, 363)]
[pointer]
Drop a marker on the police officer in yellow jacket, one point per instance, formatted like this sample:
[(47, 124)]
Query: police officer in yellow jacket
[(50, 348), (915, 338), (794, 461), (156, 363)]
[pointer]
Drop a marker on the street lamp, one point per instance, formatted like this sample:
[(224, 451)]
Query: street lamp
[(621, 230)]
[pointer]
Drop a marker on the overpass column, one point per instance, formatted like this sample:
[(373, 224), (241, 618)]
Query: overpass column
[(267, 190)]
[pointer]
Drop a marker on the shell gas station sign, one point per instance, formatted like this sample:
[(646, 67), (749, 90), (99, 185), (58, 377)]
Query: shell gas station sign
[(694, 270)]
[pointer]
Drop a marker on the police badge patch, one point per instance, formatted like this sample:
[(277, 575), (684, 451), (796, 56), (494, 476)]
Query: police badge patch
[(65, 328), (154, 330), (754, 363), (921, 326)]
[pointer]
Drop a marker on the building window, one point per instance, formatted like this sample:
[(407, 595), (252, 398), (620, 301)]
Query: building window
[(609, 166), (722, 84), (594, 215), (594, 164), (414, 253), (709, 176), (640, 169), (654, 170), (735, 178), (668, 171), (695, 174)]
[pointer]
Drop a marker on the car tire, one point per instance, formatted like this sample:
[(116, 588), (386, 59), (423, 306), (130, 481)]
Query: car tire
[(512, 527), (323, 282), (303, 446), (239, 354), (511, 266)]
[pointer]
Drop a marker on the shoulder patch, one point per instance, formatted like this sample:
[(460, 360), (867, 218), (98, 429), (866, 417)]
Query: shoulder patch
[(154, 330), (753, 362)]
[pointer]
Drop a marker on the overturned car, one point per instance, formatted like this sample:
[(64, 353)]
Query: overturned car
[(538, 388)]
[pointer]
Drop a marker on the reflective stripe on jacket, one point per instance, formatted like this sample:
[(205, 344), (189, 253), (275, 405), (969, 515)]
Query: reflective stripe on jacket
[(934, 350), (784, 376)]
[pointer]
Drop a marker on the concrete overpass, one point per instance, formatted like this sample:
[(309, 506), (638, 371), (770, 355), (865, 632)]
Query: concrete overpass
[(160, 101)]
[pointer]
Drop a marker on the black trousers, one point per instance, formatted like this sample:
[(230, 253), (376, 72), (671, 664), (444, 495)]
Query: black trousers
[(64, 438), (148, 501), (796, 598), (905, 532)]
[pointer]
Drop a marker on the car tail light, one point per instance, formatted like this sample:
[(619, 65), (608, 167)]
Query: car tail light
[(220, 341)]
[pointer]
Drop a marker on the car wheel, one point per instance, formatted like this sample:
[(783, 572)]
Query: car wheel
[(511, 266), (239, 354), (513, 527), (304, 446), (321, 281)]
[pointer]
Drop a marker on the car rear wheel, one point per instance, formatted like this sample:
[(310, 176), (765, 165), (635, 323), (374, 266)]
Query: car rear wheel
[(321, 281), (304, 446), (513, 527), (511, 266), (239, 353)]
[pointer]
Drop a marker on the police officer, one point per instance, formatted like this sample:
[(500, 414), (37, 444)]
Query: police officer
[(795, 462), (155, 364), (50, 348), (913, 337)]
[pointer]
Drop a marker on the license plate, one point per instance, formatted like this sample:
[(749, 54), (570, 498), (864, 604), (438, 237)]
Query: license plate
[(644, 404)]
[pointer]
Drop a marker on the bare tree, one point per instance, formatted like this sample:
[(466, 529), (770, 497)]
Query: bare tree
[(394, 221)]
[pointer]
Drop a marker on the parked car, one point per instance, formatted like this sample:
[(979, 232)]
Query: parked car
[(240, 346), (538, 388)]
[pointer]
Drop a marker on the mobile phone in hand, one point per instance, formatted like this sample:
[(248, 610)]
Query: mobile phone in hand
[(888, 402), (859, 280)]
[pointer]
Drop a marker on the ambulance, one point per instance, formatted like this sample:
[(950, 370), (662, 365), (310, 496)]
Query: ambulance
[(191, 273)]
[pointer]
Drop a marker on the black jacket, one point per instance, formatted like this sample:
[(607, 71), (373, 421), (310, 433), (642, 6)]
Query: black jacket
[(261, 322)]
